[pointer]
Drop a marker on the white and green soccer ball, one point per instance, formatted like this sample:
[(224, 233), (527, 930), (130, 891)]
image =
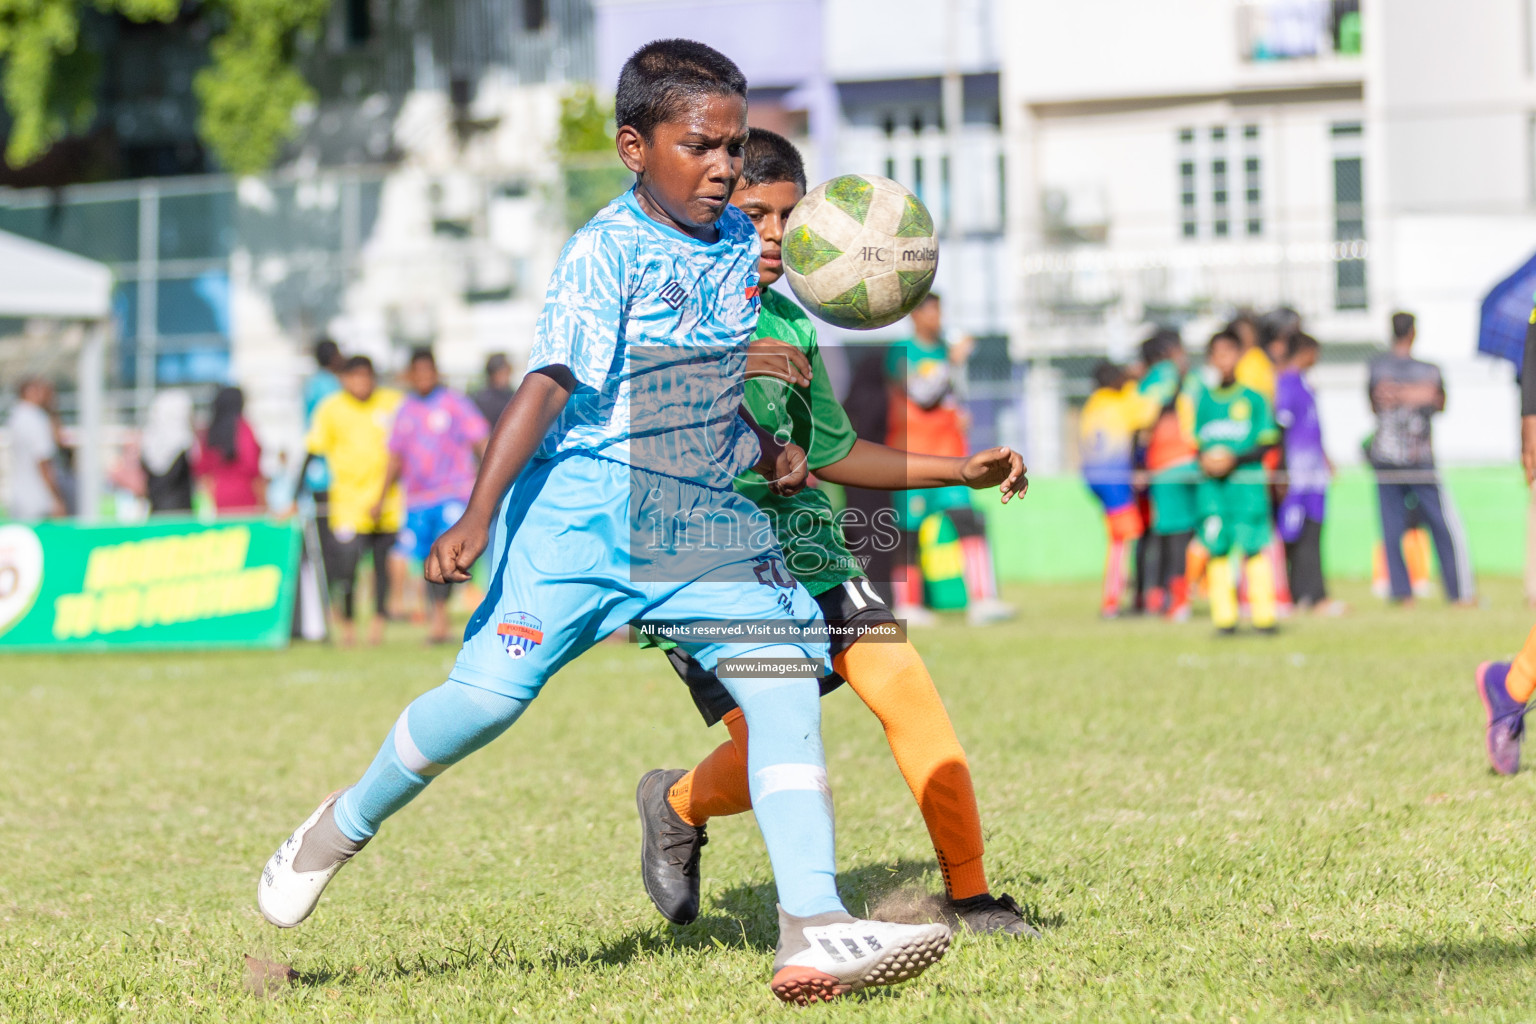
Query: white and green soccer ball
[(860, 251)]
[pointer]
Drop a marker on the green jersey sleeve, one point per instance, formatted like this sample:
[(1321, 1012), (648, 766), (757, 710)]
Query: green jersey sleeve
[(832, 435)]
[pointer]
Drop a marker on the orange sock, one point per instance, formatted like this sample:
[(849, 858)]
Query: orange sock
[(892, 680), (1521, 681), (718, 786), (1195, 561)]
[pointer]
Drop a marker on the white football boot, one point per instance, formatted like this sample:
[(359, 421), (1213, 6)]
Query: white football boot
[(830, 955), (291, 883)]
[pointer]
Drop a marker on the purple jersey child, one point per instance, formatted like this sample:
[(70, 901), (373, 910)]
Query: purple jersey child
[(1306, 463)]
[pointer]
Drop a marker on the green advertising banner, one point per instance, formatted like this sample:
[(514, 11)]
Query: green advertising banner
[(177, 583)]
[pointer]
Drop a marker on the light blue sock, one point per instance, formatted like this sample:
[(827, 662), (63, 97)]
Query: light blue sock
[(439, 728), (787, 777)]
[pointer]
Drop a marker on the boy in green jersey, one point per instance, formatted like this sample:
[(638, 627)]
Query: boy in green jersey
[(789, 394), (1165, 412), (1234, 428)]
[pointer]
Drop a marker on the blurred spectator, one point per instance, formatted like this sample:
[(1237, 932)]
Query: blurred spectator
[(869, 520), (228, 464), (1406, 394), (926, 418), (326, 380), (165, 449), (319, 386), (1107, 452), (433, 447), (1275, 332), (1307, 474), (1255, 369), (498, 390), (350, 431), (34, 491)]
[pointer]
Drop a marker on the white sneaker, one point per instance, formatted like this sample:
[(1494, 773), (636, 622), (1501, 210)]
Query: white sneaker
[(830, 955), (989, 610), (915, 615), (291, 883)]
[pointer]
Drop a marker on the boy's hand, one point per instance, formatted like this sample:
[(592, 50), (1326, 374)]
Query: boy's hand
[(1217, 462), (455, 551), (1000, 467), (786, 469), (770, 357)]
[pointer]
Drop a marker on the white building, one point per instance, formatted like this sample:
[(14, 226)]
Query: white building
[(1180, 159)]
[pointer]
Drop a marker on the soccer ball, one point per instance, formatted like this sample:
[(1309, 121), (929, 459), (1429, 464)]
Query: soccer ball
[(860, 252)]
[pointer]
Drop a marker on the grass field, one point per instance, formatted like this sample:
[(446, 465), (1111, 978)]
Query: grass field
[(1292, 828)]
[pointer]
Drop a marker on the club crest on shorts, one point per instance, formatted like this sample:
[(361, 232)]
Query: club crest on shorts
[(520, 633)]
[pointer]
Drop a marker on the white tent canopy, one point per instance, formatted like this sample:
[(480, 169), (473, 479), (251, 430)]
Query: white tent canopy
[(39, 281)]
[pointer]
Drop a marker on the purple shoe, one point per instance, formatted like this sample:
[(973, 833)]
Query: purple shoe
[(1506, 717)]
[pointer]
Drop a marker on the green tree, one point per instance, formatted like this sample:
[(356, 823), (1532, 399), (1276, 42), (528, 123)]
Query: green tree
[(247, 92), (590, 168)]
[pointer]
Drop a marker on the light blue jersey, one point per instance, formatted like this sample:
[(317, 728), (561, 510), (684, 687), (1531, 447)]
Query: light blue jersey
[(654, 326), (627, 512)]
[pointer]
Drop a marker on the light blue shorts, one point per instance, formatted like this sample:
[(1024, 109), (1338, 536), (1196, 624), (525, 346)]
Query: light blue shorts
[(584, 545)]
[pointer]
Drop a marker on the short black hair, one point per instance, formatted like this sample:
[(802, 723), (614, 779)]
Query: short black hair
[(1107, 375), (1222, 336), (660, 77), (421, 354), (1298, 343), (1402, 325), (1162, 345), (769, 159), (1280, 322), (357, 363), (327, 352)]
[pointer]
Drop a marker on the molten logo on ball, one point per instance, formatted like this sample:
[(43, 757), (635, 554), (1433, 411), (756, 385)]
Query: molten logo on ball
[(860, 251)]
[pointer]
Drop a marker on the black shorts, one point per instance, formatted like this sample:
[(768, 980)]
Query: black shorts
[(851, 610)]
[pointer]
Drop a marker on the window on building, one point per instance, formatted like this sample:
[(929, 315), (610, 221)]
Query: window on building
[(535, 15), (1220, 222), (1349, 233), (1188, 213), (1253, 196), (359, 19), (1270, 30)]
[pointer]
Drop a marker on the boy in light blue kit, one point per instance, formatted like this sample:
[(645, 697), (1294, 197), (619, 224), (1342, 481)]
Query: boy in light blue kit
[(619, 451)]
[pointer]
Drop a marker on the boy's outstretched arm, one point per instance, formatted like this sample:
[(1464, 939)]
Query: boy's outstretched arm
[(880, 468), (783, 464), (517, 435)]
